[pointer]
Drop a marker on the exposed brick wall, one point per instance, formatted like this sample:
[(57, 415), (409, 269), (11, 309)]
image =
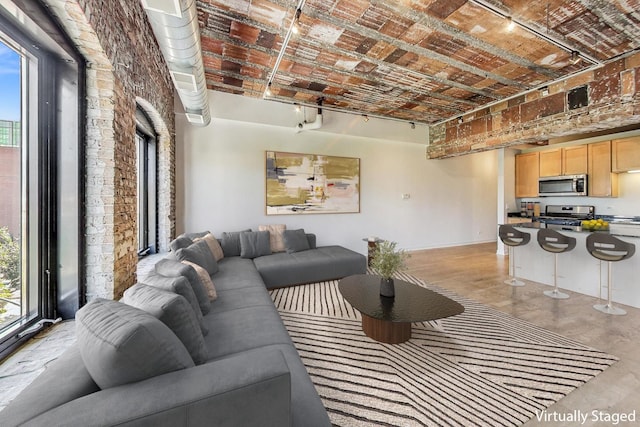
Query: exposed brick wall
[(614, 101), (124, 68)]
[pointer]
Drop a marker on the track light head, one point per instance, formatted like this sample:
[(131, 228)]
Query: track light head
[(295, 28), (268, 92), (365, 118), (575, 57), (510, 24)]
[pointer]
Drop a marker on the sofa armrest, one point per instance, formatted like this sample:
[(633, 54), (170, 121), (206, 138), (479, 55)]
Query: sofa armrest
[(245, 389)]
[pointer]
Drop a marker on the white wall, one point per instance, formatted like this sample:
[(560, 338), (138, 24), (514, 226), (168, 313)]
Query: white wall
[(221, 178)]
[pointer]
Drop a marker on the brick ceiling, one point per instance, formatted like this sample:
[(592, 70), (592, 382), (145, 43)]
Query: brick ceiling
[(422, 61)]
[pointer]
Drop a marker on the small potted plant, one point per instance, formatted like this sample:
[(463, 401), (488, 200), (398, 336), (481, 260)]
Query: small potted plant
[(386, 261)]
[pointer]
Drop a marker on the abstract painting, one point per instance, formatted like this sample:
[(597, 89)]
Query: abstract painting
[(311, 183)]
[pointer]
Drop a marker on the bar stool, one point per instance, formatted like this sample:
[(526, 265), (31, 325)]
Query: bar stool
[(608, 248), (552, 241), (512, 238)]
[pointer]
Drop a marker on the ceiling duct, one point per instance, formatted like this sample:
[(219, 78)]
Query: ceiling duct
[(175, 25)]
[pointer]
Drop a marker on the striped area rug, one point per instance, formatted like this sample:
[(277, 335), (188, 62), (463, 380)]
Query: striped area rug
[(480, 368)]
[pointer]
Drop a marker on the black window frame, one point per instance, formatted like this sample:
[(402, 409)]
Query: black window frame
[(147, 173), (43, 260)]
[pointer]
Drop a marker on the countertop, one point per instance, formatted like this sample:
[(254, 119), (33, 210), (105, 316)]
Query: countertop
[(537, 225)]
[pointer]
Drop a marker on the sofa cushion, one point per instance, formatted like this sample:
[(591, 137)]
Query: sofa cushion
[(295, 240), (254, 244), (174, 311), (231, 242), (179, 285), (275, 236), (199, 253), (314, 265), (121, 344), (205, 279), (214, 245), (174, 268)]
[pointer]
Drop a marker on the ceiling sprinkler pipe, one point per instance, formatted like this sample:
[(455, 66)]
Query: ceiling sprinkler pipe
[(317, 123)]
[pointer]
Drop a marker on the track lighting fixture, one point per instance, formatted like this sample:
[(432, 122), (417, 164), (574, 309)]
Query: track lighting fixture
[(295, 28), (365, 118), (268, 91), (460, 120), (510, 24), (413, 125), (298, 108), (575, 57)]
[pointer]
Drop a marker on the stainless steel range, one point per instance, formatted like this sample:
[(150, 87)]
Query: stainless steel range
[(566, 217)]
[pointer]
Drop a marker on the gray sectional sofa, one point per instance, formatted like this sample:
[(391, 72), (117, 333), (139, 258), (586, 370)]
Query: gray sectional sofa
[(149, 361)]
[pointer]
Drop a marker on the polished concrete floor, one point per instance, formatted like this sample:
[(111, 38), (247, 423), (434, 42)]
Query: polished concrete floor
[(477, 272)]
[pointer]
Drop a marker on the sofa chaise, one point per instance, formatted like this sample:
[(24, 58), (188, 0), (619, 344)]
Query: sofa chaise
[(180, 351)]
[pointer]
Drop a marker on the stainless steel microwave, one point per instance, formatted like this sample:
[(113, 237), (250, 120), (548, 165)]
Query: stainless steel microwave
[(565, 185)]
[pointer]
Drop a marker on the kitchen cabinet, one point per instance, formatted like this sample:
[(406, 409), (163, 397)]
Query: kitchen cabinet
[(564, 161), (602, 182), (527, 174), (625, 154), (551, 162), (574, 160)]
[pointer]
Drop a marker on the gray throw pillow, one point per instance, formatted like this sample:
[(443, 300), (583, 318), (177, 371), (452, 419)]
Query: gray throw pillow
[(197, 235), (174, 311), (179, 285), (199, 253), (175, 268), (180, 242), (230, 242), (120, 344), (312, 240), (254, 244), (295, 240)]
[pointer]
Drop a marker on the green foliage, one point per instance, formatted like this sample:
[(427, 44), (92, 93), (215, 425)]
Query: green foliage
[(387, 260), (9, 260)]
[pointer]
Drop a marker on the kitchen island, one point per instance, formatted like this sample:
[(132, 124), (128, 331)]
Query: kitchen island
[(578, 271)]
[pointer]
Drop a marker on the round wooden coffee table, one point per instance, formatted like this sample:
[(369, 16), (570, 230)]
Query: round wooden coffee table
[(388, 320)]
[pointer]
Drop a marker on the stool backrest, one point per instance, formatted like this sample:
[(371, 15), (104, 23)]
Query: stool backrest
[(512, 237), (609, 248), (552, 241)]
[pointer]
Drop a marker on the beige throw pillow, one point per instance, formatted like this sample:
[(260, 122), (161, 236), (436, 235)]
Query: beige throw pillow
[(205, 279), (275, 236), (213, 244)]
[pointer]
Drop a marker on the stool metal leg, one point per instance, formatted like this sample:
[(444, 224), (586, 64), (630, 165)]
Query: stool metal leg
[(555, 293), (512, 270), (609, 308)]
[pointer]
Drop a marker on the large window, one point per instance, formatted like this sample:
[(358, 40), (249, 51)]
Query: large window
[(39, 191), (13, 71), (147, 187)]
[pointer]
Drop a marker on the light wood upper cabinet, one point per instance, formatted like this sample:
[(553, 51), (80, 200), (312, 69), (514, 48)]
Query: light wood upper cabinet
[(574, 160), (551, 162), (563, 161), (527, 173), (602, 182), (625, 154)]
